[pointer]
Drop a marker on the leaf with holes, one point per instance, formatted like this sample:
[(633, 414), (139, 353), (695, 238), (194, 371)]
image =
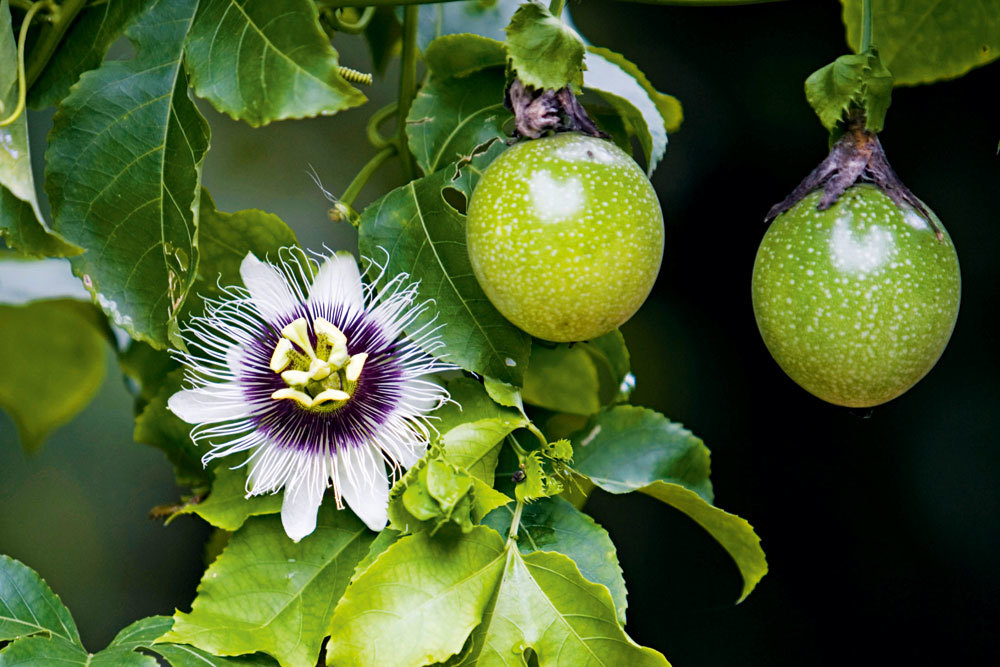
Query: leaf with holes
[(451, 117)]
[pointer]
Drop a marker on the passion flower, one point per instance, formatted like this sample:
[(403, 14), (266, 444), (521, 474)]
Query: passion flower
[(307, 371)]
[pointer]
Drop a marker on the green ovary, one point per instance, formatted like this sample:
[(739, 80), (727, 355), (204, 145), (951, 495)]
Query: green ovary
[(320, 378)]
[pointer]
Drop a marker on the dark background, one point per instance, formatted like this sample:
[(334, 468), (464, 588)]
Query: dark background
[(881, 532)]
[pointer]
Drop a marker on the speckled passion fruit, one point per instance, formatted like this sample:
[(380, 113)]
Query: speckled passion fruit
[(565, 235), (856, 303)]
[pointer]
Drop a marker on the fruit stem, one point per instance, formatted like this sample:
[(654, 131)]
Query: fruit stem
[(866, 25), (856, 156), (556, 7), (407, 84)]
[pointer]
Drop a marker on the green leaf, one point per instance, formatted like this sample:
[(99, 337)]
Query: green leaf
[(735, 535), (858, 81), (462, 54), (143, 633), (124, 169), (562, 378), (418, 601), (82, 48), (29, 607), (553, 524), (158, 427), (634, 449), (21, 222), (385, 539), (543, 603), (921, 41), (625, 448), (266, 61), (425, 237), (543, 50), (55, 651), (52, 354), (485, 499), (473, 427), (648, 114), (224, 239), (267, 593), (450, 118), (227, 506), (503, 393)]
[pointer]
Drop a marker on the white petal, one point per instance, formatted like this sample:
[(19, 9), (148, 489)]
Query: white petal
[(300, 505), (366, 487), (338, 282), (268, 289), (213, 403)]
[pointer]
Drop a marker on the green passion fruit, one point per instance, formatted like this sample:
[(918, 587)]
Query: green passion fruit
[(856, 303), (565, 236)]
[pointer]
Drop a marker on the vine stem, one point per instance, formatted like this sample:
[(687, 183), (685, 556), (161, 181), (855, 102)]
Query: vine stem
[(50, 36), (515, 523), (354, 189), (22, 85), (556, 7), (407, 85), (866, 25), (538, 434)]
